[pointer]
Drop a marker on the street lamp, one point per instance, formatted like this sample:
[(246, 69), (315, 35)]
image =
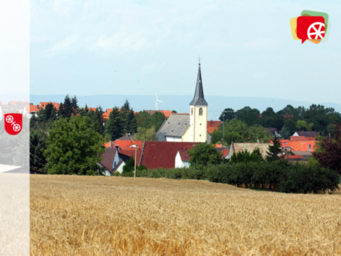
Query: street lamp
[(134, 146)]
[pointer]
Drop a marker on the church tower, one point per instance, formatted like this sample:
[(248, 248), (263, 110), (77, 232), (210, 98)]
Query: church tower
[(198, 113)]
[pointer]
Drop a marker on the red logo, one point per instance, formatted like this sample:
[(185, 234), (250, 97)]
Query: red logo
[(310, 27), (13, 123)]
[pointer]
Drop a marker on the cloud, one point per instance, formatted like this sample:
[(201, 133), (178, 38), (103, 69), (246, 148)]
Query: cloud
[(62, 46)]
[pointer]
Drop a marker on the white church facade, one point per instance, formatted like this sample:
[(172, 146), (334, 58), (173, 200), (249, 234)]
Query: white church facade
[(190, 127)]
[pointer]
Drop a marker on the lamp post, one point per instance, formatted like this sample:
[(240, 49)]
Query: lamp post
[(135, 146)]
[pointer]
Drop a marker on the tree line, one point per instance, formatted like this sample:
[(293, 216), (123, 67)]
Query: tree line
[(289, 119)]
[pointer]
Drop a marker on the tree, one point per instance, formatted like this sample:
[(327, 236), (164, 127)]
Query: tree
[(73, 147), (249, 115), (204, 154), (128, 168), (126, 106), (141, 117), (97, 121), (238, 131), (274, 150), (74, 104), (302, 125), (155, 120), (145, 134), (37, 147), (290, 125), (132, 123), (229, 114), (65, 109), (115, 124), (284, 133), (329, 153), (47, 113), (245, 156)]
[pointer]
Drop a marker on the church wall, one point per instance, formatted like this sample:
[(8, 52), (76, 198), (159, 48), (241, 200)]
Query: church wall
[(200, 124), (187, 136)]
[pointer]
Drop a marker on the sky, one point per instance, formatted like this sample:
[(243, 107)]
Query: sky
[(88, 47)]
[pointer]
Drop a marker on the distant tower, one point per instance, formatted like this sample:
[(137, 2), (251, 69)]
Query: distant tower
[(198, 113)]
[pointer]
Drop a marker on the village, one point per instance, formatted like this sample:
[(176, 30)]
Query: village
[(177, 134)]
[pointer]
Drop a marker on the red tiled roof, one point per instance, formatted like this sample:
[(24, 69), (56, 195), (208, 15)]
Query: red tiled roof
[(295, 138), (161, 154), (293, 157), (31, 108), (43, 104), (184, 155), (167, 113), (125, 144), (213, 125), (299, 145), (108, 144), (218, 145), (13, 102), (131, 153), (225, 152)]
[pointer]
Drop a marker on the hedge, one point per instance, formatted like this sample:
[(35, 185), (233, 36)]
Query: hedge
[(278, 176)]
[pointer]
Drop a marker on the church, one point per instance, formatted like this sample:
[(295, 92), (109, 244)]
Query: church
[(190, 127)]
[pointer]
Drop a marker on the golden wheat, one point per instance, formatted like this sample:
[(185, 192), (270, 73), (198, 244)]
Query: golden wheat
[(73, 215)]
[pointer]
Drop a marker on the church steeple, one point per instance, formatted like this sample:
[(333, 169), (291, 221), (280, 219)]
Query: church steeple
[(199, 92)]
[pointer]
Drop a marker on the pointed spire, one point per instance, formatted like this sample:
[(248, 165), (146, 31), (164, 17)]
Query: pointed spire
[(199, 91)]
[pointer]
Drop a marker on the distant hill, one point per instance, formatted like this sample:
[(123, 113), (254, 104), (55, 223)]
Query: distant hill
[(180, 103)]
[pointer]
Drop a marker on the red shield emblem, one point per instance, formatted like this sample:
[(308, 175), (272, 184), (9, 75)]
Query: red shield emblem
[(13, 123)]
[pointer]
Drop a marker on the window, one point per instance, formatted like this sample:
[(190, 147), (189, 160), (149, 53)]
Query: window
[(200, 111), (114, 164), (191, 111)]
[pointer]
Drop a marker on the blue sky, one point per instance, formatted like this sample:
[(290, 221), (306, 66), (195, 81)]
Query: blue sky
[(142, 47)]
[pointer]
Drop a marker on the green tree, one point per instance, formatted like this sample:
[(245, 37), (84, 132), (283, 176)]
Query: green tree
[(290, 125), (258, 133), (47, 113), (155, 120), (74, 104), (229, 114), (146, 134), (97, 121), (284, 133), (66, 108), (37, 148), (115, 124), (204, 154), (73, 147), (141, 117), (128, 168), (249, 115), (245, 156), (132, 123), (274, 150)]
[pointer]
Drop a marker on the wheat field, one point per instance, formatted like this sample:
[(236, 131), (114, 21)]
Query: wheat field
[(72, 215)]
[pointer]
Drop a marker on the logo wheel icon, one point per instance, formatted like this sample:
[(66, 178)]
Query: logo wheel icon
[(316, 30), (9, 119), (16, 127)]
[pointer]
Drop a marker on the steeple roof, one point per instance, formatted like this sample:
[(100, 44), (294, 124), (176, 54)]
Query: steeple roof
[(199, 92)]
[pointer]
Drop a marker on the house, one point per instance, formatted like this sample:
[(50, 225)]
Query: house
[(162, 154), (167, 113), (127, 144), (306, 134), (298, 145), (224, 151), (182, 159), (273, 132), (249, 147), (213, 125), (5, 109), (43, 105), (111, 161), (30, 110), (190, 127)]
